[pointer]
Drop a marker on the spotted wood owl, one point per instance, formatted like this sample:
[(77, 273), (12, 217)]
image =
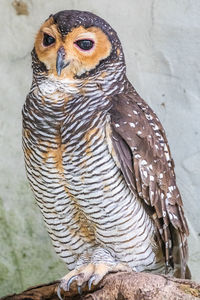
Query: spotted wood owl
[(97, 157)]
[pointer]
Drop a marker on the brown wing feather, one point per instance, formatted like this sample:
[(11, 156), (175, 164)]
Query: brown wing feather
[(142, 149)]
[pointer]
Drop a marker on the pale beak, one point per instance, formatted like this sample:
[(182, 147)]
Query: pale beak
[(60, 61)]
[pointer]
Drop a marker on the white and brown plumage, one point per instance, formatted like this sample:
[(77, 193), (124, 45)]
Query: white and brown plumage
[(97, 157)]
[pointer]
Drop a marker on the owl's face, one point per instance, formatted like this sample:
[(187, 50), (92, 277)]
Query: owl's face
[(69, 47)]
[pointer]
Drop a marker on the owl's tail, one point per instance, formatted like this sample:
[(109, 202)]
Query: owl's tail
[(180, 254)]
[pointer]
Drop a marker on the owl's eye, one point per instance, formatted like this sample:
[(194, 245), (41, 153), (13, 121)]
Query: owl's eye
[(85, 44), (48, 40)]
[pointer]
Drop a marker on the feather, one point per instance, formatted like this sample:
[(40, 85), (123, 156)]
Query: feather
[(145, 160)]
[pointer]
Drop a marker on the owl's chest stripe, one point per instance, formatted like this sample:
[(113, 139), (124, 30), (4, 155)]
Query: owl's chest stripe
[(82, 193)]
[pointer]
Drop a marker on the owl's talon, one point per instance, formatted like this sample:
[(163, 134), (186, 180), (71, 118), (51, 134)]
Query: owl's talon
[(58, 293), (91, 280), (72, 279), (89, 275), (79, 287)]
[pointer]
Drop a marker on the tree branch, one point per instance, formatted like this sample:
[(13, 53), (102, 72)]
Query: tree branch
[(120, 286)]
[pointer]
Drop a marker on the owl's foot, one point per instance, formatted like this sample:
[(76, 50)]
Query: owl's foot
[(90, 274)]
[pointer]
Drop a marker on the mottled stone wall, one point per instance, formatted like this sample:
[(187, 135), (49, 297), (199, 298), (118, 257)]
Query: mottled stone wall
[(161, 42)]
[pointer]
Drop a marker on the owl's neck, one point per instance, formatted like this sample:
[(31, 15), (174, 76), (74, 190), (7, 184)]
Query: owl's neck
[(69, 101), (104, 83)]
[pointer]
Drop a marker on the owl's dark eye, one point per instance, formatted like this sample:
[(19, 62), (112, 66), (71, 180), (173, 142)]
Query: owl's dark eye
[(48, 40), (85, 44)]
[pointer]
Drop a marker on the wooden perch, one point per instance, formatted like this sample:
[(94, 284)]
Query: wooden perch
[(120, 286)]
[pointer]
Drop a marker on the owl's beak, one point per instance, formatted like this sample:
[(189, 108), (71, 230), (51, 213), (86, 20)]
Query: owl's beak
[(60, 61)]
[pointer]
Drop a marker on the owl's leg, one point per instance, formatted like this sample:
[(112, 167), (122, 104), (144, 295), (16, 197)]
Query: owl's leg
[(101, 263)]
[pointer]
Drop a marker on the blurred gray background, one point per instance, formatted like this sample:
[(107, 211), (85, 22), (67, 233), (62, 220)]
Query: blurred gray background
[(161, 41)]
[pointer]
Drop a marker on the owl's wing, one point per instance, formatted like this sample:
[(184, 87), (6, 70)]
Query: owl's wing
[(143, 155)]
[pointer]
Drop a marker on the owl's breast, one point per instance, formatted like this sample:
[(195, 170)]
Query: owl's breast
[(82, 193), (92, 176)]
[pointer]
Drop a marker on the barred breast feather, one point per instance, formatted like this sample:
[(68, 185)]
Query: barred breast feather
[(80, 185)]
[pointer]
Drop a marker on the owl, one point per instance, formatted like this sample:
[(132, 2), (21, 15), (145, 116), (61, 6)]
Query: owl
[(97, 157)]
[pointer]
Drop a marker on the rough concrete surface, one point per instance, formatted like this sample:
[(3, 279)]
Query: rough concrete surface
[(161, 41)]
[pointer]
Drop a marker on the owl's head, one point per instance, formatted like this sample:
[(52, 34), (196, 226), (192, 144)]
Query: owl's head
[(75, 44)]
